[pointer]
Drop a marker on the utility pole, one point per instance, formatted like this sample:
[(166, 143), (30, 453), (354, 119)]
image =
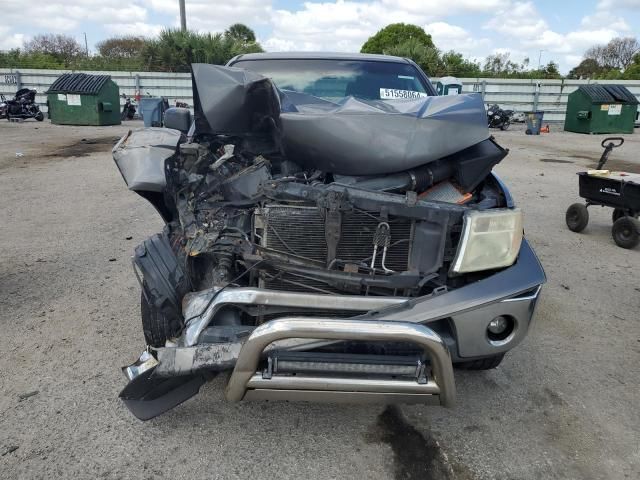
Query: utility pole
[(86, 45), (183, 17), (540, 58)]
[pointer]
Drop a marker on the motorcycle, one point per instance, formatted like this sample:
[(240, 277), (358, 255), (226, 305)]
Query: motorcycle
[(499, 118), (3, 106), (23, 105), (128, 109)]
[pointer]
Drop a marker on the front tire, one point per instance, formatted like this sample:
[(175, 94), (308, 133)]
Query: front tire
[(481, 364), (505, 125), (577, 217), (156, 325), (626, 232), (39, 116)]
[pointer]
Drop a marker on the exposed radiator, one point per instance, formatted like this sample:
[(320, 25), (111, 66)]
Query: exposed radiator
[(300, 231)]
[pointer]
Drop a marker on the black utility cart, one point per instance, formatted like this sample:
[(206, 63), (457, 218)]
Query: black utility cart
[(618, 190)]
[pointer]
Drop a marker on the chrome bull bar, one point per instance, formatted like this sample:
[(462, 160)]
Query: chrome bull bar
[(214, 300), (246, 383)]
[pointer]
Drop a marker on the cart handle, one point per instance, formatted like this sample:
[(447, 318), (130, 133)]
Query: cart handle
[(610, 140), (607, 149)]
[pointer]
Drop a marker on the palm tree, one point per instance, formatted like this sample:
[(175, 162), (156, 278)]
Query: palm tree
[(241, 33), (175, 50)]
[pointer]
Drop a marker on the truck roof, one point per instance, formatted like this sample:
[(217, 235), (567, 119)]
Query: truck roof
[(319, 56)]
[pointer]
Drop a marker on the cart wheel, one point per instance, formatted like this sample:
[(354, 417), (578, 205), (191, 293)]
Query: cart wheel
[(626, 232), (577, 217), (619, 213)]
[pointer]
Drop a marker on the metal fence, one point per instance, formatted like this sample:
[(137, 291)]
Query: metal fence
[(173, 86), (517, 94), (524, 95)]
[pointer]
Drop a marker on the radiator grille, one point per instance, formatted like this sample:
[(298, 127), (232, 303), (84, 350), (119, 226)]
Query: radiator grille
[(300, 231)]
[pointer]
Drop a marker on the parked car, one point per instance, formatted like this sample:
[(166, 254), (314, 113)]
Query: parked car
[(334, 232)]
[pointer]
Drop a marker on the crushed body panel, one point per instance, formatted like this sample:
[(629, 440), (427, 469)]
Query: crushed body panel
[(349, 137)]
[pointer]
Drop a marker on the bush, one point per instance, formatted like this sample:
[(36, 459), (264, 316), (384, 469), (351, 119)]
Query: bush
[(172, 51)]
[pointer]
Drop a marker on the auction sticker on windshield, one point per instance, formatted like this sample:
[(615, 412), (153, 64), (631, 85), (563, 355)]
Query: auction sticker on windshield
[(394, 94)]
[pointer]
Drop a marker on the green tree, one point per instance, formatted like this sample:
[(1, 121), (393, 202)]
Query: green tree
[(501, 65), (17, 58), (632, 72), (175, 50), (551, 70), (427, 57), (121, 47), (394, 35), (241, 33), (453, 63), (587, 68)]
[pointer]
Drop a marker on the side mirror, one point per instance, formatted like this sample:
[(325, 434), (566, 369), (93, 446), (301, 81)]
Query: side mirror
[(177, 118)]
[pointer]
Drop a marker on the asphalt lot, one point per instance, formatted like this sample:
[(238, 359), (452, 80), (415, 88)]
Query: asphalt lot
[(563, 405)]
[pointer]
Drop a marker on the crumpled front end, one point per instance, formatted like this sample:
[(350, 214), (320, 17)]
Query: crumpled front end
[(411, 344), (303, 279)]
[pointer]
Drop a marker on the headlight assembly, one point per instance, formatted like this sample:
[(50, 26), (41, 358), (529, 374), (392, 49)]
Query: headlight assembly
[(490, 239)]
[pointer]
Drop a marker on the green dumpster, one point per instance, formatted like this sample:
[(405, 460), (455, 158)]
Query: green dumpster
[(601, 109), (81, 99), (449, 86)]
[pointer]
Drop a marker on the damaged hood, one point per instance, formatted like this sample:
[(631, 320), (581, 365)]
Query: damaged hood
[(349, 137)]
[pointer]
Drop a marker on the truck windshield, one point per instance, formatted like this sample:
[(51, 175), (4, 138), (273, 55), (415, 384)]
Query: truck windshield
[(336, 79)]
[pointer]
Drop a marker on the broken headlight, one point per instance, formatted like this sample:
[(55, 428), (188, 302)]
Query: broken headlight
[(490, 239)]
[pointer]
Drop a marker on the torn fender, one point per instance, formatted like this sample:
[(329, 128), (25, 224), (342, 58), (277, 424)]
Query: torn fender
[(141, 154)]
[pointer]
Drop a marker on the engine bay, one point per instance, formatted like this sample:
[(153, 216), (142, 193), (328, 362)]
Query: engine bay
[(258, 219)]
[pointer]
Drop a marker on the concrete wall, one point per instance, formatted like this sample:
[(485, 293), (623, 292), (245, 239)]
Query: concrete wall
[(520, 95)]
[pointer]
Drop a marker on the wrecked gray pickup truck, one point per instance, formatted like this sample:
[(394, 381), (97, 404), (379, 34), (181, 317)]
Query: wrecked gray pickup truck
[(334, 232)]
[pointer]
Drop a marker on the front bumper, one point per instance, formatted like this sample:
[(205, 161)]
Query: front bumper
[(465, 312)]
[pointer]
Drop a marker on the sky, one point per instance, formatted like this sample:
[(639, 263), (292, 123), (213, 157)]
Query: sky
[(545, 29)]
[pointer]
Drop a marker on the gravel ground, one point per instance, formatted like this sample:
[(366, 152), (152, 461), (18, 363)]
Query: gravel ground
[(562, 405)]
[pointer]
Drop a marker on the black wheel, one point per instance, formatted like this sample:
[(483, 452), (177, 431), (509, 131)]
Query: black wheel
[(577, 217), (505, 125), (626, 232), (39, 116), (619, 213), (156, 325), (481, 364)]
